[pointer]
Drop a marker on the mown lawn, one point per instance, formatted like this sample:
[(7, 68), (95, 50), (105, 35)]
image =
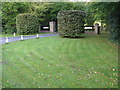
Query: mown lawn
[(54, 62), (17, 35)]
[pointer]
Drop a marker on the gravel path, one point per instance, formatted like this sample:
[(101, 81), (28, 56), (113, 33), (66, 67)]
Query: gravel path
[(11, 39)]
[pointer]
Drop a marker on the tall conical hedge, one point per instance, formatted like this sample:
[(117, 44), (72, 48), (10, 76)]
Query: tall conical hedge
[(27, 23), (70, 22)]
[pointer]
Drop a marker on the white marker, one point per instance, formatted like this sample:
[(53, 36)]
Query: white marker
[(6, 39), (37, 35), (21, 37), (14, 34)]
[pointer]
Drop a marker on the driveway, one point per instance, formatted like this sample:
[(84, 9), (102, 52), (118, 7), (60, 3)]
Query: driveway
[(11, 39)]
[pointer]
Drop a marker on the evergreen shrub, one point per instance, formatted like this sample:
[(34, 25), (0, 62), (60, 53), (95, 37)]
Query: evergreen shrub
[(27, 23), (70, 22)]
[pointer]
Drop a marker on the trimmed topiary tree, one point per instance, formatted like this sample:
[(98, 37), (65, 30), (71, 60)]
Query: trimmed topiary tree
[(27, 23), (70, 22)]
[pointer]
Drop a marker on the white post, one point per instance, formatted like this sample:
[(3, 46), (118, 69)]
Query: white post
[(21, 37), (37, 36), (6, 39), (14, 34)]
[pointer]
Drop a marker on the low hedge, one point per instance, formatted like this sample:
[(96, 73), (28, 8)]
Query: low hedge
[(70, 22), (27, 23)]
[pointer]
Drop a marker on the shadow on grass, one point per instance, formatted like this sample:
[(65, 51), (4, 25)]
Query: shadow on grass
[(76, 37)]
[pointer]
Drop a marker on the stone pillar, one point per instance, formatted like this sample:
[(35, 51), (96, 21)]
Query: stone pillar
[(97, 28), (52, 26)]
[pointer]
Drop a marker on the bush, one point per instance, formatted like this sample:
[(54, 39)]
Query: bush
[(70, 22), (27, 23), (9, 11)]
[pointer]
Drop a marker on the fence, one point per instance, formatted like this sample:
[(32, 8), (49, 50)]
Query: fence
[(52, 28), (95, 28)]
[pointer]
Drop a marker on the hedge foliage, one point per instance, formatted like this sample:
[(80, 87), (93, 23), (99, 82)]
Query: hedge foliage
[(9, 11), (107, 16), (70, 22), (45, 11), (27, 23)]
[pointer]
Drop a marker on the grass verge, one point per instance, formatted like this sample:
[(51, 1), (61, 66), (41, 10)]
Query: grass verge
[(17, 35), (54, 62)]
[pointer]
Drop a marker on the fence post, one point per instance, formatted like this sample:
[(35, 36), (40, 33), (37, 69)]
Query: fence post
[(37, 36), (52, 26), (97, 28), (14, 34), (6, 39), (21, 37)]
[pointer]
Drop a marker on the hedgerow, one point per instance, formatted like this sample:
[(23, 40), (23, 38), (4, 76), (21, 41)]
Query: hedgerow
[(70, 22), (27, 23)]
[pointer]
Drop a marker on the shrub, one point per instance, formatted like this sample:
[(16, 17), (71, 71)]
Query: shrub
[(27, 23), (70, 22), (8, 15)]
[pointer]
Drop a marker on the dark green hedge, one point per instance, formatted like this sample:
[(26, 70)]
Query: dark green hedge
[(70, 22), (27, 23)]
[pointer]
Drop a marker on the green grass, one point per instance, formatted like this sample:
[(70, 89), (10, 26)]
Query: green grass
[(17, 35), (54, 62)]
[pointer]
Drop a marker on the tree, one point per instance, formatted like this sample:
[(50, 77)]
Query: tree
[(108, 13), (9, 12), (44, 11), (47, 12), (89, 19)]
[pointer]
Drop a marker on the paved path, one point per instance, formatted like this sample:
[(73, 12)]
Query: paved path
[(11, 39)]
